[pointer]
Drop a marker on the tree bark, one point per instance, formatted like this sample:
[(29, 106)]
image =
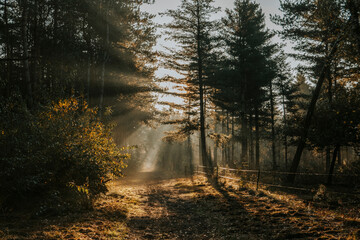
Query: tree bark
[(232, 161), (251, 138), (216, 146), (227, 151), (327, 159), (257, 140), (29, 95), (332, 166), (205, 159), (191, 164), (105, 58), (354, 8), (244, 127), (339, 156), (273, 147), (285, 136), (7, 49)]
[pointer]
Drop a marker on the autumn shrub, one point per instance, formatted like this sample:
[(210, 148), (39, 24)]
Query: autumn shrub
[(62, 154)]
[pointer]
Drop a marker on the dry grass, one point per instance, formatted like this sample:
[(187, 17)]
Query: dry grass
[(148, 207)]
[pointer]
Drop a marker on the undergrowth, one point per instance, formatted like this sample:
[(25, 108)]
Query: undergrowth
[(58, 157)]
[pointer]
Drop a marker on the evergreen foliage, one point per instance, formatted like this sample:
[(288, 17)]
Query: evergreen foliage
[(193, 31)]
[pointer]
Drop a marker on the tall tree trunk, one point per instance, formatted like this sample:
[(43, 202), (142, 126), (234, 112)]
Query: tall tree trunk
[(36, 79), (191, 164), (223, 155), (327, 159), (89, 50), (244, 141), (227, 151), (285, 135), (332, 166), (257, 140), (216, 146), (29, 95), (54, 71), (310, 113), (88, 79), (354, 7), (105, 58), (205, 159), (251, 136), (273, 147), (232, 141), (8, 54), (244, 127)]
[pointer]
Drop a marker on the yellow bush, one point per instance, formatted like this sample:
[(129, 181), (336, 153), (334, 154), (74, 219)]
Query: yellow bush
[(63, 148)]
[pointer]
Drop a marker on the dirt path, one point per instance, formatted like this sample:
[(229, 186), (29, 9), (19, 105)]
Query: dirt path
[(147, 206), (194, 209)]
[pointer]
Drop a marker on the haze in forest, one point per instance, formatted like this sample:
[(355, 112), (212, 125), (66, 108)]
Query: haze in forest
[(264, 93)]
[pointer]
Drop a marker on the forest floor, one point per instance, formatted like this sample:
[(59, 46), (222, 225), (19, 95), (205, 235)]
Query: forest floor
[(147, 206)]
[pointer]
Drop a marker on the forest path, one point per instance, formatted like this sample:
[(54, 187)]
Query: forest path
[(159, 206), (186, 208)]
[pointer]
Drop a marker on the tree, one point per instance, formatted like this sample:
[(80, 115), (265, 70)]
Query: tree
[(53, 51), (319, 29), (62, 44), (248, 57), (192, 30)]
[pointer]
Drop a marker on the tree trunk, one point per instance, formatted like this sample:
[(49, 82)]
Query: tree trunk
[(244, 125), (257, 140), (29, 96), (36, 80), (244, 141), (105, 58), (332, 167), (223, 155), (232, 141), (191, 164), (309, 115), (88, 79), (88, 44), (54, 71), (273, 147), (285, 136), (216, 146), (327, 160), (7, 50), (227, 151), (205, 159), (354, 7), (251, 136)]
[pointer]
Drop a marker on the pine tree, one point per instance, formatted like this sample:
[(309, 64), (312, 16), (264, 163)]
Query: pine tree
[(321, 31), (192, 30), (61, 48), (249, 53)]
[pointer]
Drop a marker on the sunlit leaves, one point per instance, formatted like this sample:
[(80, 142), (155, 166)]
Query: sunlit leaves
[(63, 147)]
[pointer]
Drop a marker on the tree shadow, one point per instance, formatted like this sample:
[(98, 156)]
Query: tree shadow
[(282, 218), (212, 215), (86, 224)]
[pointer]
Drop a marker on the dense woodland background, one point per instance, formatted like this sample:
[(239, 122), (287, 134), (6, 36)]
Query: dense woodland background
[(78, 90)]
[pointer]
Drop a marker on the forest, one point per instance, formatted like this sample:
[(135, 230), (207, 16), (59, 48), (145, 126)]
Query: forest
[(249, 132)]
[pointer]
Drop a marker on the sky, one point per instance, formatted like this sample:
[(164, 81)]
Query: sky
[(268, 7)]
